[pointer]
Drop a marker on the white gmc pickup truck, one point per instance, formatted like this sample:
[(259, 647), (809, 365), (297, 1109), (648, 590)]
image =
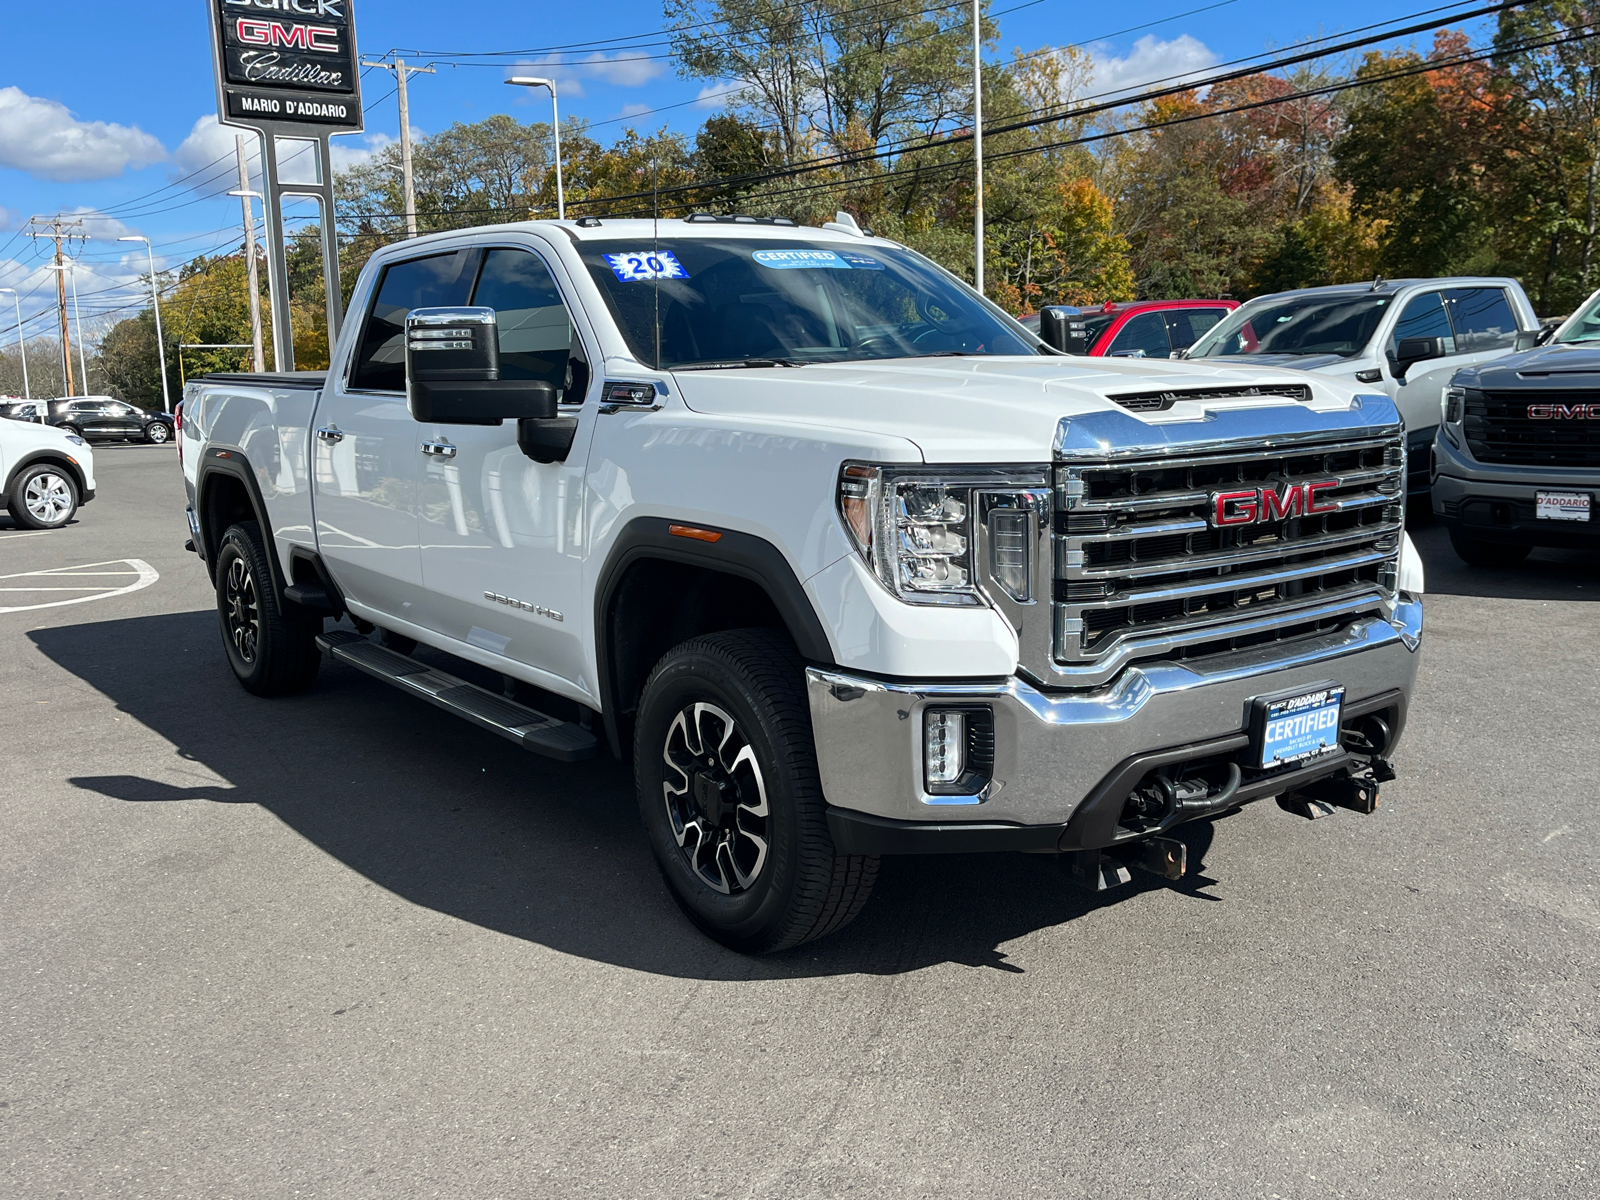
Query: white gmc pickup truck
[(845, 559)]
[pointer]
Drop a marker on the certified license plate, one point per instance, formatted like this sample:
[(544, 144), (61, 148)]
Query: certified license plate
[(1561, 506), (1299, 728)]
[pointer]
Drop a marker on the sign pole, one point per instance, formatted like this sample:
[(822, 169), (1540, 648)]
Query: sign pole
[(290, 80)]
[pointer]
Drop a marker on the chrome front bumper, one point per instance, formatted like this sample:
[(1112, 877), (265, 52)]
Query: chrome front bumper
[(1053, 749)]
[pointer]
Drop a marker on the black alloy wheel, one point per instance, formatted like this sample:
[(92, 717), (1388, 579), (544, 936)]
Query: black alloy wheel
[(271, 646), (730, 797), (716, 799)]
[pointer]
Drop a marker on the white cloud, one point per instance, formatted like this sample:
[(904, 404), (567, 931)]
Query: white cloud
[(635, 110), (10, 218), (207, 155), (714, 95), (99, 227), (1149, 60), (43, 138), (622, 69)]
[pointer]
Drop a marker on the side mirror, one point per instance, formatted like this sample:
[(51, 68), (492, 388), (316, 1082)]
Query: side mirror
[(1061, 327), (1410, 351), (453, 371), (1527, 339)]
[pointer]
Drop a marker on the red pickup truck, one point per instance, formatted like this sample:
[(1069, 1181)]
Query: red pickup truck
[(1142, 328)]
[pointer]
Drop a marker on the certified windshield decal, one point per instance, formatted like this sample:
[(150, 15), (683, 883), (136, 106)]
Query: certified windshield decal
[(646, 264), (794, 260), (861, 262)]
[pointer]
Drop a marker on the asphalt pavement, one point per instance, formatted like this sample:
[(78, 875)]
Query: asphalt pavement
[(344, 945)]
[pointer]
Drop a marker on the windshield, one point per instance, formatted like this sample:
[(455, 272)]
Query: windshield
[(1341, 325), (727, 302), (1584, 325)]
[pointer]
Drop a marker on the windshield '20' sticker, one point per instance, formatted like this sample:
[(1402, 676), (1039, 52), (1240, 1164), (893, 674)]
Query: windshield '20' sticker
[(646, 264)]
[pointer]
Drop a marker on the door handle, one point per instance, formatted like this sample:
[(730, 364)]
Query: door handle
[(330, 433), (439, 449)]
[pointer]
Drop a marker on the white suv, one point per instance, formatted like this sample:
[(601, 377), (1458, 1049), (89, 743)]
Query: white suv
[(48, 472)]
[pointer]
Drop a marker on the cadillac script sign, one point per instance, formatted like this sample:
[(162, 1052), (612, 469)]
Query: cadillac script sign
[(287, 61)]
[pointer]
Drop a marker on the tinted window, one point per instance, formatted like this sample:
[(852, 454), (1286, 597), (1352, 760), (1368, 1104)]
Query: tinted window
[(535, 329), (1482, 319), (420, 283), (1423, 316), (720, 301), (1341, 325), (1144, 334), (1185, 325)]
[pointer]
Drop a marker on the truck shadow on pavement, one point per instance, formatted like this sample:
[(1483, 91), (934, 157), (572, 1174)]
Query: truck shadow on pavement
[(454, 819), (1544, 575)]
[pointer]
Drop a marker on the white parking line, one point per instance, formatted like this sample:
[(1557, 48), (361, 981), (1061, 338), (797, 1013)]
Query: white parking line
[(36, 533), (141, 573)]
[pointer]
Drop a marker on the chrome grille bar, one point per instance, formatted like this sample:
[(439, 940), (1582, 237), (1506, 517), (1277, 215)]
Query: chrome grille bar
[(1141, 571)]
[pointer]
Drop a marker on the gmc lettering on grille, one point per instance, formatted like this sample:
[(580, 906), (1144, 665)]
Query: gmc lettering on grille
[(1254, 506), (1564, 412)]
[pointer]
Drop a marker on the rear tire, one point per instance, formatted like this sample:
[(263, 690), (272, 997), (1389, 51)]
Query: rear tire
[(730, 796), (272, 654), (1478, 553), (42, 496)]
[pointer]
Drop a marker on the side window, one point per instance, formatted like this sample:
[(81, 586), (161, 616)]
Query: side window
[(1185, 325), (1482, 319), (1424, 316), (421, 283), (1144, 335), (537, 339)]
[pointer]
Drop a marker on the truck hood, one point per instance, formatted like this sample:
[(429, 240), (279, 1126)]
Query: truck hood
[(979, 409), (1561, 366), (1291, 362)]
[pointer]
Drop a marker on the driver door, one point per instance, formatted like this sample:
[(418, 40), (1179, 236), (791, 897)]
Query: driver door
[(503, 537)]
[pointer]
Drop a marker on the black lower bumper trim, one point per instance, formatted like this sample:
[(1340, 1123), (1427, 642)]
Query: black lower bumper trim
[(1511, 521), (862, 833)]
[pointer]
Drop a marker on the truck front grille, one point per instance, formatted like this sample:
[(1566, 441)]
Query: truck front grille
[(1499, 429), (1142, 573)]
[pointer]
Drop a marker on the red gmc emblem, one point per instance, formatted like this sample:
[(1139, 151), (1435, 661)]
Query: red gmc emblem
[(1254, 506), (1564, 412)]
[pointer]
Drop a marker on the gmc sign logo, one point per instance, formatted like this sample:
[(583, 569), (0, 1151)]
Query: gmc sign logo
[(1564, 412), (1254, 506), (321, 38)]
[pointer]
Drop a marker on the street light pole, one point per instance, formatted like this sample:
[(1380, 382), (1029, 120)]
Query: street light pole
[(155, 303), (977, 144), (21, 344), (555, 129)]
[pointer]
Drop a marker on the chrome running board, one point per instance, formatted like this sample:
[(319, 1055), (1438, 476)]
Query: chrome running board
[(529, 728)]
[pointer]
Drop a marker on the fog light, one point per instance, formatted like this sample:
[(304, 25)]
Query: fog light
[(944, 746)]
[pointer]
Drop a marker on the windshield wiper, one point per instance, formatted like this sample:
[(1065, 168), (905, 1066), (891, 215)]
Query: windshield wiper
[(734, 364)]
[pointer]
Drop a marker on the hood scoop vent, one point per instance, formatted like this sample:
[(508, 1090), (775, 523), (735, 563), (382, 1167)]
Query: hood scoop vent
[(1161, 401)]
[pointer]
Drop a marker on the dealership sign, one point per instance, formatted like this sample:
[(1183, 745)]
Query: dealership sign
[(287, 62)]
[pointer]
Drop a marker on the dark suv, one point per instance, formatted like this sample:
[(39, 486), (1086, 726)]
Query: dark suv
[(99, 418)]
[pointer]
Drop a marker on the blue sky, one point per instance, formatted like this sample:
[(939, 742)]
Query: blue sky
[(99, 112)]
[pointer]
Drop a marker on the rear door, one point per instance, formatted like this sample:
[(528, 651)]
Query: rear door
[(366, 449), (503, 538)]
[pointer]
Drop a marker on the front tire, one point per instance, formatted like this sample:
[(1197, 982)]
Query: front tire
[(272, 654), (1477, 553), (156, 433), (42, 496), (730, 796)]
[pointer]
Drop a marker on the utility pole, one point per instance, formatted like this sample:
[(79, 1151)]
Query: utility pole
[(244, 193), (400, 71), (977, 144), (59, 229)]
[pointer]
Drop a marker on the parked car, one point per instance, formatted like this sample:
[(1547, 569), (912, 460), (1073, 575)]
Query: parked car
[(47, 474), (1138, 329), (103, 418), (842, 558), (13, 408), (1405, 336), (1517, 460)]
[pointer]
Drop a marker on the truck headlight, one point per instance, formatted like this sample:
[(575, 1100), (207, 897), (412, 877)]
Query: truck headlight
[(1454, 402), (916, 528)]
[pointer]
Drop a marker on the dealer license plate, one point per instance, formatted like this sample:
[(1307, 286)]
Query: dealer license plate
[(1298, 729), (1561, 506)]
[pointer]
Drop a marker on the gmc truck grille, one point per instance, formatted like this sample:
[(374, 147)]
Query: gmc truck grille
[(1499, 429), (1143, 572)]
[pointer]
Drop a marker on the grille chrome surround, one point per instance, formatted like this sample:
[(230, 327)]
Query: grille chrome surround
[(1138, 572)]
